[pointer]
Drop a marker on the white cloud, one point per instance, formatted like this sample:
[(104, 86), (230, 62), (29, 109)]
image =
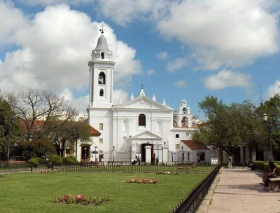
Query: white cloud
[(219, 33), (124, 12), (161, 55), (67, 94), (53, 2), (12, 19), (80, 103), (119, 95), (180, 83), (126, 65), (272, 90), (227, 78), (177, 64), (53, 50), (223, 33), (151, 72)]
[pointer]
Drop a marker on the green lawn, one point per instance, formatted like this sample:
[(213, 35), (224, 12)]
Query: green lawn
[(35, 192)]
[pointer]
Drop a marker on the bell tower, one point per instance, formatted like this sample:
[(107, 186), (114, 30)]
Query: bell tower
[(101, 67)]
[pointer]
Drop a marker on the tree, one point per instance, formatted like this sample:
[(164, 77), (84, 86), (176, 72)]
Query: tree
[(228, 126), (271, 108), (32, 149), (70, 131), (38, 109), (9, 129)]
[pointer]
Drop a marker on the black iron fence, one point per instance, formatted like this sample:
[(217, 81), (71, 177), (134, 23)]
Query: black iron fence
[(192, 201), (121, 167)]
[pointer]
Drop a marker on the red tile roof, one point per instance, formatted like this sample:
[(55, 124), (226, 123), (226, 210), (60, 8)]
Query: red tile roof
[(39, 123), (194, 146), (94, 132)]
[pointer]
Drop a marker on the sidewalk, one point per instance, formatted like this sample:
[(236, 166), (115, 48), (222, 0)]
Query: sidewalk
[(238, 190)]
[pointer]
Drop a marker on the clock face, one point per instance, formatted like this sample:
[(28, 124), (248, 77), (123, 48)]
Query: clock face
[(183, 102)]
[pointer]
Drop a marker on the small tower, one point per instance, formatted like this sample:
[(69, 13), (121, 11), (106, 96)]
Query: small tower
[(101, 67), (184, 115)]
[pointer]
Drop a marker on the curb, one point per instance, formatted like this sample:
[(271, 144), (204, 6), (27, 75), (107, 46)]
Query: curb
[(203, 207)]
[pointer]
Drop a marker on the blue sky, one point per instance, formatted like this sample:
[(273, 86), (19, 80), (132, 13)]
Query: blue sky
[(181, 49)]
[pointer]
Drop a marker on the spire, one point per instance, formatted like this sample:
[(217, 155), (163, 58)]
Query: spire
[(154, 98), (131, 97), (102, 41), (142, 93), (102, 29), (163, 103), (101, 51), (188, 110)]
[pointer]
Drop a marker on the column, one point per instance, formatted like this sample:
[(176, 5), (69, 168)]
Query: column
[(241, 154), (165, 154), (148, 149)]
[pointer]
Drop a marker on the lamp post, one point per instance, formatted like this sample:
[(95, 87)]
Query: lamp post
[(8, 124), (76, 136), (182, 154), (113, 154), (95, 154), (85, 156), (130, 155), (162, 155), (269, 125)]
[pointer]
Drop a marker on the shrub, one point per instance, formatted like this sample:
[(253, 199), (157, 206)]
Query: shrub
[(70, 160), (55, 159), (259, 165), (35, 161)]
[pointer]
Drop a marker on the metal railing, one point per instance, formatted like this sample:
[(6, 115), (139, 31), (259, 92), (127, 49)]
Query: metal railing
[(121, 167), (195, 197)]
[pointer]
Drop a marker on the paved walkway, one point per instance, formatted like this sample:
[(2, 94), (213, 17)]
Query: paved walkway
[(238, 190)]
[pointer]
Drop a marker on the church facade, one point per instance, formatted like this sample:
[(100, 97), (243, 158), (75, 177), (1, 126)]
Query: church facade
[(138, 128)]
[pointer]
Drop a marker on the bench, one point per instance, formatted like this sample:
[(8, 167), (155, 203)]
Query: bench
[(274, 184)]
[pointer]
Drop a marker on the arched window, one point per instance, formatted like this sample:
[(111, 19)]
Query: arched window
[(184, 121), (102, 55), (101, 93), (101, 78), (142, 120)]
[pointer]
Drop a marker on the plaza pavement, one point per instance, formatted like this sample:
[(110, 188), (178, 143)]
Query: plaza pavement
[(238, 190)]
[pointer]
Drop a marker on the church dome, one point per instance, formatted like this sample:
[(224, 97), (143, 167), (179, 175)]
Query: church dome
[(102, 43), (101, 51)]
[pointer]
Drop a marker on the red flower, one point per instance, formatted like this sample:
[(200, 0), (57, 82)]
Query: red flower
[(80, 197)]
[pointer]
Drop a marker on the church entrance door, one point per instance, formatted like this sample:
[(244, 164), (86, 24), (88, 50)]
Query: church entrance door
[(143, 151)]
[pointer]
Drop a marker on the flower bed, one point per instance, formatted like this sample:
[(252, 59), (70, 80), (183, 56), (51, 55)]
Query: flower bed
[(138, 180), (52, 170), (167, 173), (81, 199)]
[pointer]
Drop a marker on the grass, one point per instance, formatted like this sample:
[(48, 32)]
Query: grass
[(35, 192)]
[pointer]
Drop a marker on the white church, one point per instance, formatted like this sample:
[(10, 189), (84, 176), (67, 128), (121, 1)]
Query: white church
[(141, 127)]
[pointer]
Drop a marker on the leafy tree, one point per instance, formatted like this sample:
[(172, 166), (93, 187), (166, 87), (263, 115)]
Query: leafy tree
[(55, 159), (271, 108), (70, 131), (31, 149), (9, 128), (228, 126)]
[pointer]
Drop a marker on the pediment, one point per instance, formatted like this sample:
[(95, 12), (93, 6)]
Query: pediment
[(146, 135), (143, 102)]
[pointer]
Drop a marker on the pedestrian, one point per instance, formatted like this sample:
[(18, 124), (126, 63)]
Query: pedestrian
[(138, 160), (271, 174), (157, 160)]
